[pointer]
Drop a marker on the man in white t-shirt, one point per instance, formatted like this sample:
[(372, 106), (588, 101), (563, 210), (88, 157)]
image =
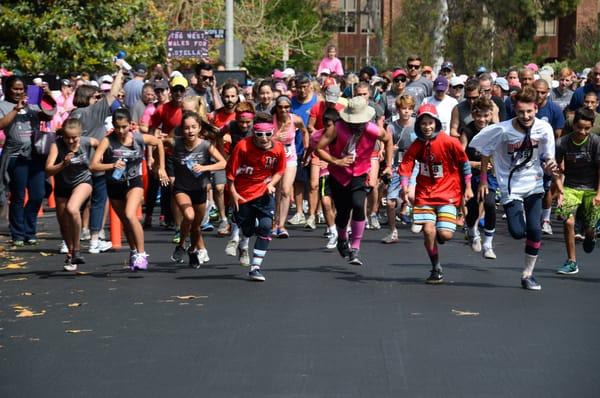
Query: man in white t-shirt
[(522, 149), (443, 102)]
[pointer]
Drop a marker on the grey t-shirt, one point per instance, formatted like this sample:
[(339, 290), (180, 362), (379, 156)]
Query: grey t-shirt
[(419, 89), (133, 92), (581, 161), (185, 179), (92, 118), (137, 111), (78, 170), (562, 100), (21, 132), (402, 137), (133, 155)]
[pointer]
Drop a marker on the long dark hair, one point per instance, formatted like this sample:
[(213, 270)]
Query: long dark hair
[(83, 93)]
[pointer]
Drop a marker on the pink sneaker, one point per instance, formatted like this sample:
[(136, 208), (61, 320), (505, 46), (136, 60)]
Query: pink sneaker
[(140, 262)]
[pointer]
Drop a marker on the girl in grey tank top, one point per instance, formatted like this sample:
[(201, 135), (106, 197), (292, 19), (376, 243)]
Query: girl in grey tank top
[(68, 161)]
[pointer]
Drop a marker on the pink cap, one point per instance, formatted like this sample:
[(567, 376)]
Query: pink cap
[(277, 74), (105, 86), (533, 67)]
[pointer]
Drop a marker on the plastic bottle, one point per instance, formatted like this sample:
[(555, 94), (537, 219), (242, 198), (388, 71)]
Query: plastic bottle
[(190, 163), (121, 55), (118, 173)]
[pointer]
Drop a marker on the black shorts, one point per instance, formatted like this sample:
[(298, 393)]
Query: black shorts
[(197, 197), (64, 191), (324, 186), (118, 190), (302, 172), (259, 208)]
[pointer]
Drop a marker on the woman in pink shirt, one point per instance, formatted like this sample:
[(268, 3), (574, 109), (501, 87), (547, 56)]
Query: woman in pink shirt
[(331, 62)]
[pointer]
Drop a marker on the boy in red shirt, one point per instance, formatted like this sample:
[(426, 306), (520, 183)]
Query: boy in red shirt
[(442, 162), (253, 170)]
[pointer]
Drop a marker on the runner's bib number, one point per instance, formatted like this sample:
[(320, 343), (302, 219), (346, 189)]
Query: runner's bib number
[(437, 171)]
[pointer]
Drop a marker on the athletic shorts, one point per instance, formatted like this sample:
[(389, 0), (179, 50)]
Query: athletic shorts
[(64, 191), (250, 212), (118, 190), (218, 177), (324, 186), (394, 188), (444, 217), (582, 199), (197, 197), (302, 172)]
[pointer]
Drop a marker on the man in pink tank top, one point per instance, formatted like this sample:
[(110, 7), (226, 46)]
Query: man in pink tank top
[(351, 142)]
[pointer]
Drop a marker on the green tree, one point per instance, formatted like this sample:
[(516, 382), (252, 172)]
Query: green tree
[(63, 35)]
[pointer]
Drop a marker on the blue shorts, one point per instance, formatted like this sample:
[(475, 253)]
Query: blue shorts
[(444, 217)]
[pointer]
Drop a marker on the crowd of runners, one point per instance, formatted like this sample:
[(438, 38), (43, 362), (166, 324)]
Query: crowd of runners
[(347, 151)]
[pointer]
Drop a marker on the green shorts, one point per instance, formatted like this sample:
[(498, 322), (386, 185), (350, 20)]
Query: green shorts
[(573, 199)]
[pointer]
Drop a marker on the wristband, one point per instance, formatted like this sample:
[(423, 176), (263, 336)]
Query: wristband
[(468, 179)]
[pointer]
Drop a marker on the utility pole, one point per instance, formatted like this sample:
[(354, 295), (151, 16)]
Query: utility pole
[(229, 34)]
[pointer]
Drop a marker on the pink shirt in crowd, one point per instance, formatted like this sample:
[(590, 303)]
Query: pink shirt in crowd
[(334, 65)]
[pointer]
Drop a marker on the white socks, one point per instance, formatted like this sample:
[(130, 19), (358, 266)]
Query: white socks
[(529, 265)]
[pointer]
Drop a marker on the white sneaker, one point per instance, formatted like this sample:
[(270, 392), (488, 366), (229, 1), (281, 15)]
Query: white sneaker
[(231, 248), (310, 223), (547, 228), (85, 234), (63, 248), (203, 256), (297, 219), (101, 235), (99, 246), (488, 253), (70, 267), (244, 257), (416, 228), (476, 244), (374, 222), (320, 218), (332, 242)]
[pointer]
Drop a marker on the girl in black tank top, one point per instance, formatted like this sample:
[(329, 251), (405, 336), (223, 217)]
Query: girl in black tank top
[(115, 152), (68, 162), (193, 158)]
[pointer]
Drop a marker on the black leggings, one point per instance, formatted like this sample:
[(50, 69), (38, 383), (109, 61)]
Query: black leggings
[(349, 198), (489, 206), (523, 220)]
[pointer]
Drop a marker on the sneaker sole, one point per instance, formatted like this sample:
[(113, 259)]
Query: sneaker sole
[(355, 262), (387, 242), (432, 282), (567, 273), (257, 279)]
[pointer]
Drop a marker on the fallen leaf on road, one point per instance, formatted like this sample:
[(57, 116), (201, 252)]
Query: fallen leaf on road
[(464, 313), (24, 312), (16, 279), (82, 273), (190, 297), (15, 265), (45, 254), (74, 331), (26, 294), (75, 305)]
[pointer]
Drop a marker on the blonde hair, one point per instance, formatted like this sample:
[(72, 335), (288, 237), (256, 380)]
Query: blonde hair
[(196, 104)]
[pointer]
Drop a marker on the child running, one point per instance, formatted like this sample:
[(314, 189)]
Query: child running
[(580, 152), (438, 192), (255, 167), (68, 160), (121, 153), (522, 148), (193, 164)]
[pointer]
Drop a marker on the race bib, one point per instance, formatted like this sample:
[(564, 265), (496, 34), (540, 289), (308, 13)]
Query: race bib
[(288, 150), (436, 171)]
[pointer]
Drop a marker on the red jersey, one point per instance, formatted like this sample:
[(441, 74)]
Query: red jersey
[(220, 118), (168, 116), (318, 110), (251, 168), (441, 163)]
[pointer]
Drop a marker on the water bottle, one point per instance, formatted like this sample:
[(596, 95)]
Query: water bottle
[(121, 55), (190, 163), (118, 173)]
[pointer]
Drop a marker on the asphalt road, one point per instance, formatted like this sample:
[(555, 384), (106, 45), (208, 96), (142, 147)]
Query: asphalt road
[(317, 327)]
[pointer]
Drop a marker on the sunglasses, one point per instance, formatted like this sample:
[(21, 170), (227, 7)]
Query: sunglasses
[(98, 96), (207, 78), (400, 79), (413, 66), (261, 134)]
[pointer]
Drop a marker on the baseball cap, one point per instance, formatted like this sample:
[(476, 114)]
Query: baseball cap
[(456, 81), (179, 81), (105, 86), (399, 72), (440, 83), (161, 84), (447, 65), (105, 79), (277, 74), (66, 82), (532, 66), (288, 72), (140, 69), (427, 68), (332, 93), (480, 70), (502, 82), (325, 71)]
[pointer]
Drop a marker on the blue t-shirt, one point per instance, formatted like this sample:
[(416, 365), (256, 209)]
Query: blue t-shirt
[(579, 95), (552, 114), (302, 110)]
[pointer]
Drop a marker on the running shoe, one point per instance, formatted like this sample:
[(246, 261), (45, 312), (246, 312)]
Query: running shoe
[(530, 283), (392, 237), (327, 234), (488, 253), (31, 242), (213, 213), (297, 219), (416, 228), (311, 223), (223, 228), (282, 233), (231, 248), (207, 227), (140, 262), (353, 258), (176, 237), (476, 244), (77, 258), (85, 234), (332, 242), (547, 228), (436, 277), (320, 218), (99, 246), (343, 248), (568, 268), (256, 275), (132, 254), (194, 258), (244, 256), (589, 243), (203, 256), (374, 222), (579, 237), (18, 243), (405, 219), (178, 254), (63, 247), (69, 265)]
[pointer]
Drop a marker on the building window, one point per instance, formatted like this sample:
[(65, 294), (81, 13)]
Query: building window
[(373, 8), (546, 28), (349, 63), (347, 16)]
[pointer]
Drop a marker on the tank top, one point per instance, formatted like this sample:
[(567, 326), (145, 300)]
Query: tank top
[(347, 144), (287, 138), (133, 155), (464, 114), (78, 170), (186, 179)]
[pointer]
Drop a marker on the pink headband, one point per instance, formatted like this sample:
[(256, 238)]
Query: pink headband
[(247, 115), (263, 127)]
